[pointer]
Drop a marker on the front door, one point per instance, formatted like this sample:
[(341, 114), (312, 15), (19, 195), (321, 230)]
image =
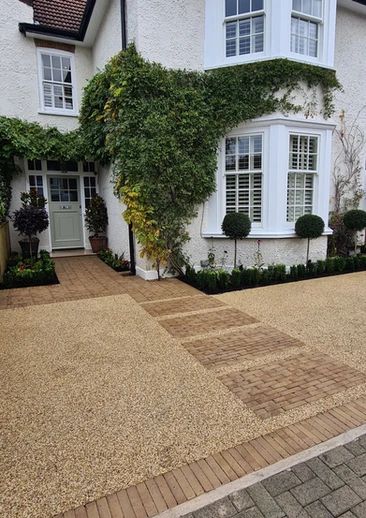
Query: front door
[(65, 212)]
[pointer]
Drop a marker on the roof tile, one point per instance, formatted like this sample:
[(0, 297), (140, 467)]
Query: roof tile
[(59, 14)]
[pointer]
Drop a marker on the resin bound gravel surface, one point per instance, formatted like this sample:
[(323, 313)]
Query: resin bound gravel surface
[(96, 396), (328, 314)]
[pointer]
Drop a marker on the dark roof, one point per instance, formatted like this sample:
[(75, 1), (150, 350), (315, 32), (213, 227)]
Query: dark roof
[(64, 18), (59, 14)]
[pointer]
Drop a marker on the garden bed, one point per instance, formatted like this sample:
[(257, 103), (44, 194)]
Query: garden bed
[(115, 261), (214, 281), (23, 273)]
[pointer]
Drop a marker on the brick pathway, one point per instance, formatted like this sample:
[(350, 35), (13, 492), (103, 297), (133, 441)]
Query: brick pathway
[(329, 486), (272, 373)]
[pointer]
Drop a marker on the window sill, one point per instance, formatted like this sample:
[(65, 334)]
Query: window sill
[(261, 234), (59, 113)]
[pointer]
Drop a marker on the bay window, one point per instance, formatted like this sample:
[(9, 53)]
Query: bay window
[(303, 166)]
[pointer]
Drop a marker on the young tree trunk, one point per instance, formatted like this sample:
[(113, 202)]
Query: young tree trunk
[(235, 250), (307, 251)]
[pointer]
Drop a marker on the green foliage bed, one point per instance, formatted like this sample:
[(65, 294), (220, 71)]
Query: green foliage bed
[(219, 280), (30, 272)]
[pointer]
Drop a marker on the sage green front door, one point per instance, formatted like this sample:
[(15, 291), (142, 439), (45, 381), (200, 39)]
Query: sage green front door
[(65, 212)]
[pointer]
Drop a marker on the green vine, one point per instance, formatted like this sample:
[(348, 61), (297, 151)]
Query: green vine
[(162, 127), (20, 139)]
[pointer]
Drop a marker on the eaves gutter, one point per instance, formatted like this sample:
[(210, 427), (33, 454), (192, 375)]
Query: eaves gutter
[(35, 29)]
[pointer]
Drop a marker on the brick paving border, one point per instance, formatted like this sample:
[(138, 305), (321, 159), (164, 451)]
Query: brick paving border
[(171, 489)]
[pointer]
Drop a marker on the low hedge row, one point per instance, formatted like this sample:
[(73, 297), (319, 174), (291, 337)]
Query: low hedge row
[(115, 261), (30, 272), (219, 280)]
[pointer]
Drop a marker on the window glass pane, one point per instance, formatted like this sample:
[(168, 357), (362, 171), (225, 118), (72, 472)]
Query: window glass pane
[(306, 6), (244, 27), (244, 6), (73, 196), (73, 183), (296, 5), (317, 8), (258, 24), (46, 60), (230, 163), (54, 165), (230, 7), (56, 62), (47, 74), (230, 146), (71, 165), (258, 43), (55, 196), (257, 5)]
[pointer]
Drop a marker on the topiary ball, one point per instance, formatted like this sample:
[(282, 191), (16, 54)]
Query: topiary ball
[(355, 219), (236, 225), (309, 226)]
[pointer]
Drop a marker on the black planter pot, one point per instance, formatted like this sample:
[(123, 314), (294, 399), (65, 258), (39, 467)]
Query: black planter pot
[(29, 248)]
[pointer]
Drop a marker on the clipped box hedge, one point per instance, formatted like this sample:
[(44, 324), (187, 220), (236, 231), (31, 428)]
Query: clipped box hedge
[(213, 281)]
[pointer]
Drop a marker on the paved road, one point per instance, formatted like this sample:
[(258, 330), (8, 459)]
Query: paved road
[(331, 485)]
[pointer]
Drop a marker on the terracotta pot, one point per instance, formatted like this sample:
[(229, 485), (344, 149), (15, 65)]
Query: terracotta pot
[(98, 243), (29, 249)]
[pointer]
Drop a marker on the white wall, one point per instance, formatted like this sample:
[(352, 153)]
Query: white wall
[(351, 71), (171, 32), (18, 69)]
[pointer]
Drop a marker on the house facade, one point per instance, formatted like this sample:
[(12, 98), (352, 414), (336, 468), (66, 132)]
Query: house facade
[(274, 169)]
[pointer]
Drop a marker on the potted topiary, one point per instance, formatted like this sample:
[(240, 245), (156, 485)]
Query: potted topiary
[(236, 225), (30, 220), (309, 227), (355, 220), (96, 221)]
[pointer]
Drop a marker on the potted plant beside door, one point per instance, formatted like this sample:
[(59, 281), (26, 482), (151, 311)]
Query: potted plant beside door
[(96, 221), (31, 219)]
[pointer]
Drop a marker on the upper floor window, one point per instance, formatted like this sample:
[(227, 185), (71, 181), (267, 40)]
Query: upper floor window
[(306, 20), (243, 175), (57, 82), (244, 27), (303, 165)]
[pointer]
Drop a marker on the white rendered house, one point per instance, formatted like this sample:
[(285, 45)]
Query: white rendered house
[(275, 168)]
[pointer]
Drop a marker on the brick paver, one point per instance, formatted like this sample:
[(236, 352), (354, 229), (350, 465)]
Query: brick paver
[(287, 495), (203, 323), (88, 277), (181, 305), (245, 344), (290, 383)]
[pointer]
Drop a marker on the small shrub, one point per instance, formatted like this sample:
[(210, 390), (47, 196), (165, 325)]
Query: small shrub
[(115, 261), (293, 273), (320, 267), (339, 264), (355, 221), (329, 265), (96, 216), (301, 271), (236, 278), (309, 226), (236, 225)]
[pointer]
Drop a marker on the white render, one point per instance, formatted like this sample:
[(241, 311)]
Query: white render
[(190, 35)]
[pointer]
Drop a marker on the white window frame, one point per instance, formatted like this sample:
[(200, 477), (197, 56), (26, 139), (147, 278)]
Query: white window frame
[(237, 18), (309, 18), (276, 130), (250, 172), (52, 110), (303, 172), (277, 35)]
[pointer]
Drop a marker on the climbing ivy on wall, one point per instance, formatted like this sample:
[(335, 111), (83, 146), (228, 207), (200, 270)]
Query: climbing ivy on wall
[(20, 138), (162, 127)]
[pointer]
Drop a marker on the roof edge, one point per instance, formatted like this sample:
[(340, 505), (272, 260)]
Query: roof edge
[(46, 30)]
